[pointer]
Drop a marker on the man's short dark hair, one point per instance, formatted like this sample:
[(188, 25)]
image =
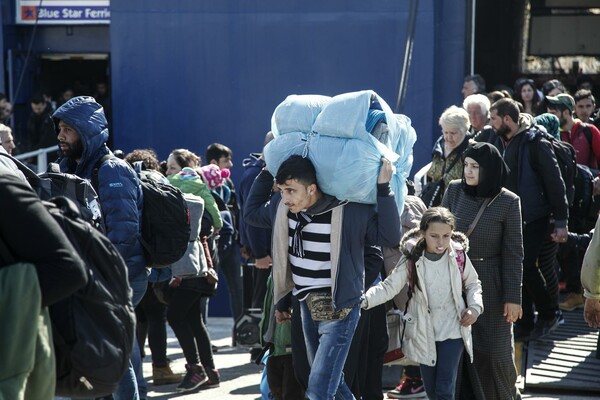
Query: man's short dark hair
[(548, 86), (505, 107), (297, 168), (37, 98), (582, 94), (217, 150), (478, 80)]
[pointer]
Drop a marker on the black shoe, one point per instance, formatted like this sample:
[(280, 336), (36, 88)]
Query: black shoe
[(194, 377), (214, 379), (521, 334), (544, 327)]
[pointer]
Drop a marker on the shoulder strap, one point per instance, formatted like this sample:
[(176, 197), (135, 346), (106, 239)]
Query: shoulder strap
[(587, 132), (138, 166), (29, 174), (458, 156), (479, 214), (411, 282), (97, 166)]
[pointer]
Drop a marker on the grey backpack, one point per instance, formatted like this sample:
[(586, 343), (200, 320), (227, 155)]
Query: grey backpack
[(193, 263)]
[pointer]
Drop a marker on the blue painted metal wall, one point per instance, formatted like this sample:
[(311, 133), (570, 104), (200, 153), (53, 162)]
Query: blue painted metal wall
[(193, 72)]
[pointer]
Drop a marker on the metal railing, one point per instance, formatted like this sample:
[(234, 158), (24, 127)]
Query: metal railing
[(42, 157)]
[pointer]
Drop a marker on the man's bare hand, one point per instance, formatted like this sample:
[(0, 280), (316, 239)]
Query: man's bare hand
[(560, 235), (386, 172), (245, 252), (263, 263), (591, 312), (282, 316)]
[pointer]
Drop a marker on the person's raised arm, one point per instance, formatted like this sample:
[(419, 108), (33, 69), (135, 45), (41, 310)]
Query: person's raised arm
[(257, 210), (386, 230)]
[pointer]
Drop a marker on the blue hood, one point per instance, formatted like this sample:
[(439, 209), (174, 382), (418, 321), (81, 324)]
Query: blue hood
[(87, 117)]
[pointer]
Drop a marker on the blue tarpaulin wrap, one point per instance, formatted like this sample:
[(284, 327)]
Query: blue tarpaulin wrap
[(332, 133)]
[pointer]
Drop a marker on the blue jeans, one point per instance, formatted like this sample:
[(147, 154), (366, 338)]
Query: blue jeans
[(440, 380), (327, 346), (133, 385)]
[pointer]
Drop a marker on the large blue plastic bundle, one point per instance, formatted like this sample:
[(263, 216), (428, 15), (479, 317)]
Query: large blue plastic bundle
[(283, 147), (346, 156), (297, 113), (339, 172), (403, 145)]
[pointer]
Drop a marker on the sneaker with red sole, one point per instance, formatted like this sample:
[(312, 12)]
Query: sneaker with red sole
[(411, 388)]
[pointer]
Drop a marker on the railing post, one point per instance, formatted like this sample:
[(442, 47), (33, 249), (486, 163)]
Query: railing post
[(42, 162), (41, 155)]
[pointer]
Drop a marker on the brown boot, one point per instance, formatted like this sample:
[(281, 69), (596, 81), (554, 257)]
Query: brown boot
[(572, 302), (165, 376)]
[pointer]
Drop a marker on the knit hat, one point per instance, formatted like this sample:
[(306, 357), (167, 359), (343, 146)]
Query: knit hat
[(214, 176), (550, 122)]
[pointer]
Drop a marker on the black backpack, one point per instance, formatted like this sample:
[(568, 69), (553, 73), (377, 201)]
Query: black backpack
[(93, 329), (165, 219), (584, 212), (53, 183), (567, 161)]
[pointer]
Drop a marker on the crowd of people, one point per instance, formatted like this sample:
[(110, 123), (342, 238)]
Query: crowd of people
[(38, 132), (473, 262)]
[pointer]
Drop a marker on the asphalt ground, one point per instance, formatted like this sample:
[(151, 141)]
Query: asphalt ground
[(240, 378)]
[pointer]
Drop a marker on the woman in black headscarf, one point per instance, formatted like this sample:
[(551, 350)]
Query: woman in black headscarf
[(491, 216)]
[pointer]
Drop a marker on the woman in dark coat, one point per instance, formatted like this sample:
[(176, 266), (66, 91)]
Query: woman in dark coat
[(496, 250)]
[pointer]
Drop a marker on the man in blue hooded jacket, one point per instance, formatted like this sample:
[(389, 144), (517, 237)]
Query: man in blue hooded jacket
[(82, 134)]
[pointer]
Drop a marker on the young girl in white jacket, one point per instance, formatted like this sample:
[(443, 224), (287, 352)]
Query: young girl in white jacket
[(437, 320)]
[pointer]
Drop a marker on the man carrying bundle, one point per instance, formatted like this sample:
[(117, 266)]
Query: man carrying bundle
[(318, 256)]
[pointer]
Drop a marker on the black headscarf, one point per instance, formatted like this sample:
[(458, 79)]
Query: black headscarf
[(492, 170)]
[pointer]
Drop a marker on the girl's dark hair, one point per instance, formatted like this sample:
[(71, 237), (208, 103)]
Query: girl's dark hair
[(519, 84), (437, 214), (431, 215)]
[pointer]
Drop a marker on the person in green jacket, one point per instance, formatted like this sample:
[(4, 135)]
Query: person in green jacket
[(181, 174)]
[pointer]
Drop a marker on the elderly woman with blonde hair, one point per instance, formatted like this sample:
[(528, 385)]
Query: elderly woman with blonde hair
[(446, 162)]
